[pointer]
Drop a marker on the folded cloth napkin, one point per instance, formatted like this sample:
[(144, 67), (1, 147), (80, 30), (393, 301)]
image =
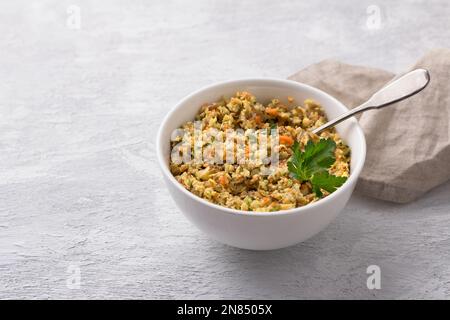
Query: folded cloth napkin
[(408, 145)]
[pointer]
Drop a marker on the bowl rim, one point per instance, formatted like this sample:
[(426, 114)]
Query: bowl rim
[(354, 174)]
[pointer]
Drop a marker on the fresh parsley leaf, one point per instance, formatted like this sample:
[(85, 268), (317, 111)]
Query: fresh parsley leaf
[(326, 181), (319, 156), (296, 164), (312, 165)]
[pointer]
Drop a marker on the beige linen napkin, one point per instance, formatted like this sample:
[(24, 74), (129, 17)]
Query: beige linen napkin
[(408, 145)]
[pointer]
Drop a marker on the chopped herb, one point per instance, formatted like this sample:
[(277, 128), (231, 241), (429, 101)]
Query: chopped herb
[(312, 165), (273, 125)]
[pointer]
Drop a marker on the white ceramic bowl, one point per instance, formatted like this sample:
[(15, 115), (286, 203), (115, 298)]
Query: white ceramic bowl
[(256, 230)]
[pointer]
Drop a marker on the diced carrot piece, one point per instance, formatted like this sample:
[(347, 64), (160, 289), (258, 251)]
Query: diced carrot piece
[(223, 180), (272, 112), (258, 119), (265, 200), (286, 140)]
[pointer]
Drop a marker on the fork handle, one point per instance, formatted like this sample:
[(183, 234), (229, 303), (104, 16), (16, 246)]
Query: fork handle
[(395, 91)]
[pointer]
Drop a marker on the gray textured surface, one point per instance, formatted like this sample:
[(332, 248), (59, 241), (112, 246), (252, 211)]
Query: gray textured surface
[(79, 183)]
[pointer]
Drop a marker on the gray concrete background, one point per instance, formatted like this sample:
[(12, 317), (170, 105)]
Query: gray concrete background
[(79, 182)]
